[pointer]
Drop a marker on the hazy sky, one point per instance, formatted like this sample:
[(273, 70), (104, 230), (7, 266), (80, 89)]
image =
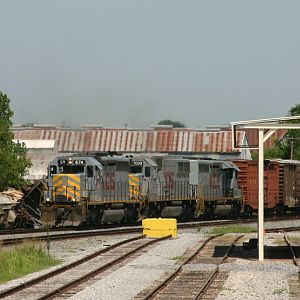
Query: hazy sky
[(138, 62)]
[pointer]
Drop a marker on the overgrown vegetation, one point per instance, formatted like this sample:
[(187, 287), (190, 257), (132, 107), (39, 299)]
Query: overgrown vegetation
[(14, 163), (233, 229), (24, 259)]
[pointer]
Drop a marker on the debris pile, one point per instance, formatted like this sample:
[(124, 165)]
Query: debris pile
[(21, 209), (8, 202)]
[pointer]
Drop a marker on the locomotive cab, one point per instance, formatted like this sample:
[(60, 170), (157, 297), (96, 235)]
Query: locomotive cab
[(71, 180), (142, 174), (71, 184), (217, 189)]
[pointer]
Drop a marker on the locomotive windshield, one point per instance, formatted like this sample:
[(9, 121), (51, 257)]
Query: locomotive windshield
[(136, 167), (66, 170), (71, 169), (68, 166)]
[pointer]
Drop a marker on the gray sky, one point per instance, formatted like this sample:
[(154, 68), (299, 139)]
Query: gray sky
[(138, 62)]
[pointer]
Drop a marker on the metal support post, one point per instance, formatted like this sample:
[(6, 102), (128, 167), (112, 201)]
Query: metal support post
[(261, 196), (265, 127)]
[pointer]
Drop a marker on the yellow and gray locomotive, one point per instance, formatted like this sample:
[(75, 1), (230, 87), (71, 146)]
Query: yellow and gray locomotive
[(124, 189), (93, 190)]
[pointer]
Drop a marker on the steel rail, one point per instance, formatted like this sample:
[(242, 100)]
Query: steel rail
[(32, 230), (44, 277), (216, 271), (18, 231), (291, 250), (63, 236), (152, 293), (99, 270), (138, 229)]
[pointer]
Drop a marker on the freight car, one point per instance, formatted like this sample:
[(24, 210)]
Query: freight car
[(289, 182), (281, 186), (116, 189)]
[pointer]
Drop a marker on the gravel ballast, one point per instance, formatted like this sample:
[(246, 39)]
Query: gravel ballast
[(129, 280), (69, 251), (257, 280), (247, 279)]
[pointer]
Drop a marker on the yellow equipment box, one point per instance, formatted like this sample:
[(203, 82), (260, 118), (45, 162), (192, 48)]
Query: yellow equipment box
[(157, 228)]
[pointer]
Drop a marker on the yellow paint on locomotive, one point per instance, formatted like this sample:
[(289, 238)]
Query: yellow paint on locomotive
[(134, 186), (66, 185)]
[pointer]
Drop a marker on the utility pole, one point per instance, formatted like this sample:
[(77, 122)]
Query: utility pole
[(292, 142)]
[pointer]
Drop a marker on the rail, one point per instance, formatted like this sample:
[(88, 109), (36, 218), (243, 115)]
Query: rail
[(22, 286), (160, 287), (291, 250)]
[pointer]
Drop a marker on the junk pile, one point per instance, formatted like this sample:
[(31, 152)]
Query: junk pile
[(21, 209)]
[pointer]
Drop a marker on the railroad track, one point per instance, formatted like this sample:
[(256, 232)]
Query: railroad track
[(291, 250), (294, 282), (19, 231), (125, 230), (64, 236), (112, 231), (32, 230), (4, 232), (75, 276), (81, 234), (189, 280)]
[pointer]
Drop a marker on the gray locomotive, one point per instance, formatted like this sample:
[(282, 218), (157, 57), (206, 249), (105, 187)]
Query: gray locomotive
[(125, 189)]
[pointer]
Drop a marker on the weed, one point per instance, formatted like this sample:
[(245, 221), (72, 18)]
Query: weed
[(178, 258), (232, 229), (279, 291), (24, 259)]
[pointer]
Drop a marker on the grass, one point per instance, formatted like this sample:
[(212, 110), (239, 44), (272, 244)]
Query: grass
[(233, 229), (178, 258), (279, 291), (24, 259)]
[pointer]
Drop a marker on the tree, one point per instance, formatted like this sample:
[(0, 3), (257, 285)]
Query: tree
[(14, 163), (175, 124), (289, 146), (274, 152), (292, 141)]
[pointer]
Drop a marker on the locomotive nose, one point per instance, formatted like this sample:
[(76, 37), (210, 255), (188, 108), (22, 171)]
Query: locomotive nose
[(66, 187)]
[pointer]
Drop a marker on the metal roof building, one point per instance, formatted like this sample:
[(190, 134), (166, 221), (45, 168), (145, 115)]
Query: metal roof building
[(162, 139)]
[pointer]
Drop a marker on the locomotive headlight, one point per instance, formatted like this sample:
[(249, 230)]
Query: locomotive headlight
[(70, 161), (47, 199)]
